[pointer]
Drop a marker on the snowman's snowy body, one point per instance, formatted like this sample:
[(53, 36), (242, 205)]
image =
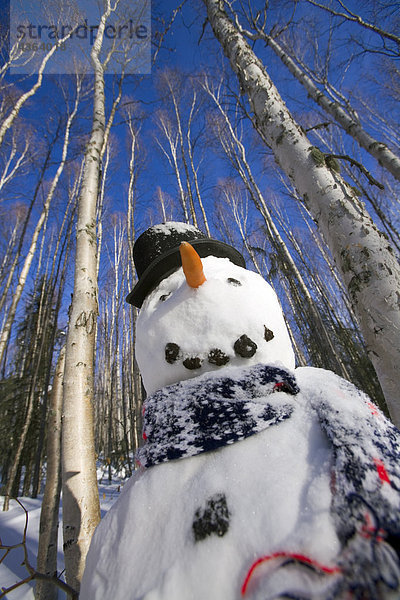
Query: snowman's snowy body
[(299, 499)]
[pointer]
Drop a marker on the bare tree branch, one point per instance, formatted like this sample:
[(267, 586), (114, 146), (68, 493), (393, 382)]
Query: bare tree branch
[(350, 16), (33, 574)]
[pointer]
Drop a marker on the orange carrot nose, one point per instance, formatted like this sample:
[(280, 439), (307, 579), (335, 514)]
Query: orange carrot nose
[(192, 265)]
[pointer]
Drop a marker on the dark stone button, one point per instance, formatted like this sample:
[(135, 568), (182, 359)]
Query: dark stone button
[(212, 519), (245, 347)]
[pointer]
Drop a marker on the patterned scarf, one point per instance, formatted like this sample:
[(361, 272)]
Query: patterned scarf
[(196, 416)]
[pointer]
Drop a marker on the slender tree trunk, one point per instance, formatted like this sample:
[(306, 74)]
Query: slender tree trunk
[(166, 127), (100, 208), (81, 507), (5, 334), (131, 195), (47, 552), (54, 279), (9, 120), (17, 255), (364, 258), (13, 164), (10, 249), (105, 150), (193, 168), (13, 477), (130, 366), (182, 149)]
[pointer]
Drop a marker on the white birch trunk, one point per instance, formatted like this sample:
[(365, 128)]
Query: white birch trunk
[(10, 248), (133, 379), (131, 191), (362, 253), (47, 551), (193, 168), (13, 164), (5, 333), (9, 120), (172, 158), (182, 148), (81, 507)]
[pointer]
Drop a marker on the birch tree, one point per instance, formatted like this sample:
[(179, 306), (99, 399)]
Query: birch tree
[(18, 156), (131, 375), (236, 152), (171, 153), (81, 508), (361, 252), (177, 126), (15, 220), (6, 330), (8, 121), (48, 533)]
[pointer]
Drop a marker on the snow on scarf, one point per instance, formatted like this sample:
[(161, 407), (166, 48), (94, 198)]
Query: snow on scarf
[(191, 417), (365, 492)]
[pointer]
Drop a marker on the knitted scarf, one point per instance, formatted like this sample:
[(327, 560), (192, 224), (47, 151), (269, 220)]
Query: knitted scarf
[(196, 416)]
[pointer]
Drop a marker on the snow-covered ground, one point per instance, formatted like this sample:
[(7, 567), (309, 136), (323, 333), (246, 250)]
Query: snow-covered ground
[(12, 525)]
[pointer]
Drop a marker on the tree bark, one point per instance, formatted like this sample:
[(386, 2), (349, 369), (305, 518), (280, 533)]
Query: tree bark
[(193, 168), (47, 552), (9, 120), (364, 257), (81, 506), (37, 349), (166, 127), (6, 331)]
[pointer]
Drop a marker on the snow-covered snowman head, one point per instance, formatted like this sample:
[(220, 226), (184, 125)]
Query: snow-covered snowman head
[(201, 310)]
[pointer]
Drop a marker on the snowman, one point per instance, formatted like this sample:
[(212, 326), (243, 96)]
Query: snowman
[(255, 480)]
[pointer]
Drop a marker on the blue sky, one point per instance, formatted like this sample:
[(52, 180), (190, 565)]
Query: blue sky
[(190, 49)]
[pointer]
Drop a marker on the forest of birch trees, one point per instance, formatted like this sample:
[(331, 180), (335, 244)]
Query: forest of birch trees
[(277, 132)]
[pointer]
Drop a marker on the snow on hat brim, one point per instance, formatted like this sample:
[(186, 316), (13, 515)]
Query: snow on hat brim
[(170, 261)]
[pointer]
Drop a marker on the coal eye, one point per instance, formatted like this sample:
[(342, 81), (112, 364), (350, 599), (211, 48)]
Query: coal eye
[(164, 297), (233, 281)]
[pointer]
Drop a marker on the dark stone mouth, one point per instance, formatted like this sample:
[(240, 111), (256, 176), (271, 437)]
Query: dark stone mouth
[(217, 357), (244, 347)]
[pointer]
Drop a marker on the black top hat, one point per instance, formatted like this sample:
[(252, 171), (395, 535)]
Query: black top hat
[(156, 254)]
